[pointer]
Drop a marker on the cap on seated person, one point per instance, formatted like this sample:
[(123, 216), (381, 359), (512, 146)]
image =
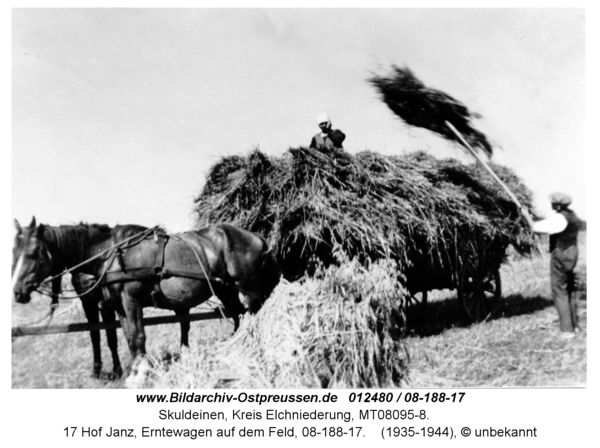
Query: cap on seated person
[(323, 118)]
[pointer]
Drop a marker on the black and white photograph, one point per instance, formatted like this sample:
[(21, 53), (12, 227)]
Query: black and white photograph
[(316, 198)]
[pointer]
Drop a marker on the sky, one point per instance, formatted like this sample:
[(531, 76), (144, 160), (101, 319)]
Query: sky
[(117, 114)]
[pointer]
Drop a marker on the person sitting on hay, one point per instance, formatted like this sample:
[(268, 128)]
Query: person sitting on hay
[(328, 138), (563, 227)]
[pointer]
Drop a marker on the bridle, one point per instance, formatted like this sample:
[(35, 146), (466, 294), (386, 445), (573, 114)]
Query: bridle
[(44, 258)]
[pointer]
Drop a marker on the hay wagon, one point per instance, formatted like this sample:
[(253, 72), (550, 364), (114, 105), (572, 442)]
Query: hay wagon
[(476, 280), (447, 224)]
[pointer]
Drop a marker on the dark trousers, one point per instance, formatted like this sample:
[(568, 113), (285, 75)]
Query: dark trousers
[(562, 281)]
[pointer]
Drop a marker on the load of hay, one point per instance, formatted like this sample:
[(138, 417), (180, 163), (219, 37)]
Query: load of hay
[(431, 216)]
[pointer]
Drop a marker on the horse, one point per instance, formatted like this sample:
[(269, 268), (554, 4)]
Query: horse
[(175, 272), (32, 264), (232, 262)]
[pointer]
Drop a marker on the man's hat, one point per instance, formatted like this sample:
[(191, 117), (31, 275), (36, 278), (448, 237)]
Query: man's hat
[(560, 198), (323, 118)]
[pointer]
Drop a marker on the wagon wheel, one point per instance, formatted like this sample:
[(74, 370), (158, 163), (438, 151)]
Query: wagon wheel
[(479, 296), (413, 300)]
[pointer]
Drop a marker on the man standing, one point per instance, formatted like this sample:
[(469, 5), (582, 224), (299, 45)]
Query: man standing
[(328, 138), (563, 227)]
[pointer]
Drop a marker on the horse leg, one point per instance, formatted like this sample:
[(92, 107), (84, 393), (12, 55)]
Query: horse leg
[(91, 313), (236, 322), (183, 315), (229, 298), (56, 289), (108, 316), (133, 326), (133, 317)]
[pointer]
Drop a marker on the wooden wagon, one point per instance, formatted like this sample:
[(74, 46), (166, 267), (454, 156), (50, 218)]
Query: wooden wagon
[(475, 276)]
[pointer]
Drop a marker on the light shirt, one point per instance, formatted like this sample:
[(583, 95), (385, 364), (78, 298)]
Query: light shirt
[(555, 223)]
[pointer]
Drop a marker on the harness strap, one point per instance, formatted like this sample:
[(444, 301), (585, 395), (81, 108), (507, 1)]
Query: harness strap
[(116, 245), (56, 287), (109, 263), (161, 240), (136, 274), (157, 272), (99, 282), (160, 251), (206, 276)]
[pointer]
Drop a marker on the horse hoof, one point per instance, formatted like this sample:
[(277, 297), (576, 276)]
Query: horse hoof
[(140, 370), (117, 372)]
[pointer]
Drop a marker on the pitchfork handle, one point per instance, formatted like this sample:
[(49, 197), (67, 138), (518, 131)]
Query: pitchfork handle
[(485, 165)]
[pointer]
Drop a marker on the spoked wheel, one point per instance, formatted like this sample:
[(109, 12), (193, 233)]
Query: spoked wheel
[(479, 296), (418, 299)]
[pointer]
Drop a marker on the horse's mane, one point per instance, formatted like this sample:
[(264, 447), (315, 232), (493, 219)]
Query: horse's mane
[(71, 242), (122, 231)]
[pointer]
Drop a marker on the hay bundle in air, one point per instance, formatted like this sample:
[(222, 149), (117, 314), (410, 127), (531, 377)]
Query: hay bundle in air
[(426, 214), (428, 108)]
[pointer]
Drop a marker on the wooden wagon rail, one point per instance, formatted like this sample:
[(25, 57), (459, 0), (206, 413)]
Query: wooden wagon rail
[(77, 327)]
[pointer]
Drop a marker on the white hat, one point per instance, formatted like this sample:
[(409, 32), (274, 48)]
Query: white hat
[(323, 118), (560, 198)]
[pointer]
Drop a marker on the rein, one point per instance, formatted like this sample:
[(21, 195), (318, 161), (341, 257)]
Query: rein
[(197, 258), (157, 272), (143, 272), (202, 266), (143, 235), (49, 314)]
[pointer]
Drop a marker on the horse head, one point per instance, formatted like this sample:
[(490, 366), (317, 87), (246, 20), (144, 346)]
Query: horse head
[(262, 282), (31, 260)]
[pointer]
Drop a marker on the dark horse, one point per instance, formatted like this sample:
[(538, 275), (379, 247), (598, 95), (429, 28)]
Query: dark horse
[(45, 251), (174, 272), (219, 259)]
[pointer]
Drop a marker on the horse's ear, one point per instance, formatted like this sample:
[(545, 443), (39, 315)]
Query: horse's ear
[(32, 225), (40, 231), (18, 227)]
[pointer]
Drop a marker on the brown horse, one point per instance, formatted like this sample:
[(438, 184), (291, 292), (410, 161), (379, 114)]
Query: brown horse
[(45, 251), (174, 272), (221, 259)]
